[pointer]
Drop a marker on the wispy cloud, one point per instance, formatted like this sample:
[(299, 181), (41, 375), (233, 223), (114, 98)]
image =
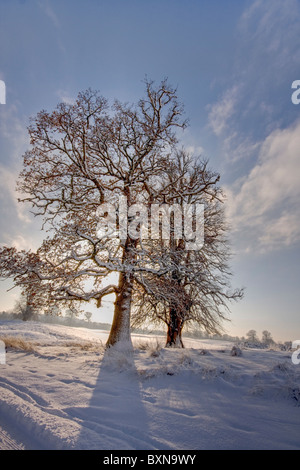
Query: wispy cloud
[(15, 218), (221, 111), (263, 207), (23, 243), (48, 10), (18, 227), (254, 122), (13, 128), (65, 97), (9, 196), (266, 63), (45, 5), (274, 24), (15, 141)]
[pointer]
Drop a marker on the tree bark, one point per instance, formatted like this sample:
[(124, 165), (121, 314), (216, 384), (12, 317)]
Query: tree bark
[(174, 332), (120, 329)]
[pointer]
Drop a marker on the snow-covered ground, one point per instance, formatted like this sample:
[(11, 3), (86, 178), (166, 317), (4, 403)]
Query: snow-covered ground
[(66, 392)]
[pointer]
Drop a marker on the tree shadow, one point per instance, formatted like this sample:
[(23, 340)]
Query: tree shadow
[(115, 418)]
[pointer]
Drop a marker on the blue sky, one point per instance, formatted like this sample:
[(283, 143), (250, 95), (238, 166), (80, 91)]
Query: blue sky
[(233, 63)]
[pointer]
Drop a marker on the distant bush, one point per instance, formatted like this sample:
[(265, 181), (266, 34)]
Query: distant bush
[(236, 351)]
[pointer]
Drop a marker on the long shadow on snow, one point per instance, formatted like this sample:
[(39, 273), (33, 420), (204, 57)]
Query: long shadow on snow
[(115, 418)]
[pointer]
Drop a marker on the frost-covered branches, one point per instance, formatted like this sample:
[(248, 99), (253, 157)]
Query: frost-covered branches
[(87, 155), (196, 287), (83, 155)]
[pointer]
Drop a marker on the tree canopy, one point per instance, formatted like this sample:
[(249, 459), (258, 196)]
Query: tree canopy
[(88, 154)]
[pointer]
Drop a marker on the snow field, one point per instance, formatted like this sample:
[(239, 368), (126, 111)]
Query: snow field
[(60, 389)]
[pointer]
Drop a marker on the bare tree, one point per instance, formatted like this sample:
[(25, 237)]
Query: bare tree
[(83, 155), (88, 316), (252, 336), (196, 287), (25, 307), (72, 313), (267, 338)]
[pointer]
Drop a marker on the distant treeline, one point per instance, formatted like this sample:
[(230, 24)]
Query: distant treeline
[(60, 320), (250, 340)]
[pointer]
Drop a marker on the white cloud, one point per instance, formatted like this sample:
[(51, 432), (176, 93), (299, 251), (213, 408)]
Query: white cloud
[(14, 142), (283, 231), (257, 101), (65, 97), (194, 150), (222, 111), (8, 194), (23, 243), (263, 207), (237, 147), (13, 129)]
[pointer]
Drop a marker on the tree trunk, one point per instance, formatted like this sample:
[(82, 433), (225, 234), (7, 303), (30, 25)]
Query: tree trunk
[(174, 332), (120, 329)]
